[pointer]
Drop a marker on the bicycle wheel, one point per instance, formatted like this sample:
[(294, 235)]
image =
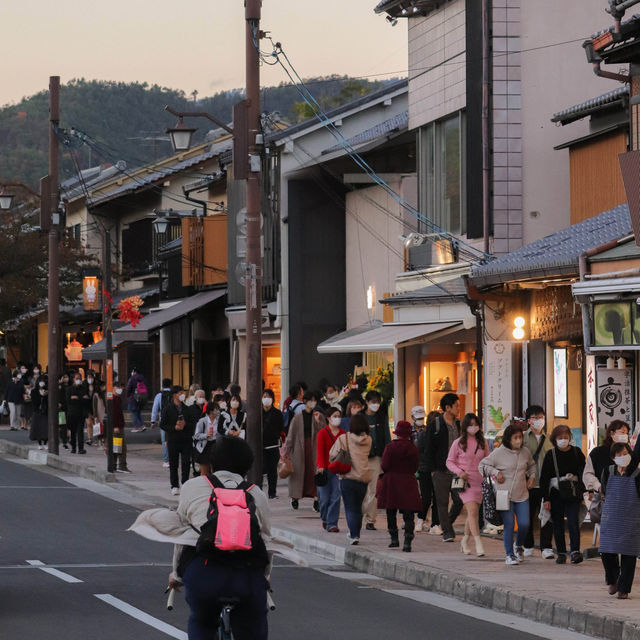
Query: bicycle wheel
[(224, 628)]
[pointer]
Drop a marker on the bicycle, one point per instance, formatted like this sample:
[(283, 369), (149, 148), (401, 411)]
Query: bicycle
[(224, 627)]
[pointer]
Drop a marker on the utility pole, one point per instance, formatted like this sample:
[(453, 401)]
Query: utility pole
[(54, 287), (108, 338), (253, 239)]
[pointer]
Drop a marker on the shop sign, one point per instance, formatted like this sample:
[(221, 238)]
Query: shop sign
[(592, 403), (90, 293), (498, 384), (614, 393)]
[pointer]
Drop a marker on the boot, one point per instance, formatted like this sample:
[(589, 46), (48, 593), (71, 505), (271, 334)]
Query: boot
[(395, 543), (408, 537), (479, 546), (464, 545)]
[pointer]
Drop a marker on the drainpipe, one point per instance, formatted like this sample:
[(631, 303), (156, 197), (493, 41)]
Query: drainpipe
[(609, 74)]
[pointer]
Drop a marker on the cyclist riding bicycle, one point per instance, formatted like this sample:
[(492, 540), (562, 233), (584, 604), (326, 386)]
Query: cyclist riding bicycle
[(210, 580)]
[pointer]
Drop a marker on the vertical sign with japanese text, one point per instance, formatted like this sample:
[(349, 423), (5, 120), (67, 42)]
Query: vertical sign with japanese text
[(592, 403), (498, 384), (614, 390)]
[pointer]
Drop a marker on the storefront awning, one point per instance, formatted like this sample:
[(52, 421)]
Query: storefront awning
[(158, 319), (382, 337), (98, 350)]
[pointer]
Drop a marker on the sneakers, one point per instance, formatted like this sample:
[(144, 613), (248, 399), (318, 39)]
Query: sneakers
[(175, 491), (82, 451), (528, 552), (419, 525), (294, 504), (316, 506), (448, 537), (576, 557), (562, 558), (370, 526), (435, 530), (123, 470), (511, 559), (333, 530), (165, 465), (138, 429), (518, 552), (351, 540), (547, 554)]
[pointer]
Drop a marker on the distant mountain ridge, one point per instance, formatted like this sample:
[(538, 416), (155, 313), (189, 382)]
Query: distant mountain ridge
[(129, 120)]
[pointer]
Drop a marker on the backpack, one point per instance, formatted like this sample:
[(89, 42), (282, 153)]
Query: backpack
[(290, 413), (140, 394), (165, 399), (231, 534)]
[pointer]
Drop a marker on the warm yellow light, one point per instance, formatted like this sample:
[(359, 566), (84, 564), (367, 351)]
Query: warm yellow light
[(424, 388), (518, 333), (519, 322)]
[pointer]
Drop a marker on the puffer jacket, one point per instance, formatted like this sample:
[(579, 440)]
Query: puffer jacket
[(359, 448)]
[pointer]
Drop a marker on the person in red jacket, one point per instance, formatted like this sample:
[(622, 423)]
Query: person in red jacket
[(399, 487), (329, 494)]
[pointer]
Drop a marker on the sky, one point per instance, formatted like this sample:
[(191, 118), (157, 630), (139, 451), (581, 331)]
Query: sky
[(189, 45)]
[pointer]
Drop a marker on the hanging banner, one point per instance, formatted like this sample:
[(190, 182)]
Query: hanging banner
[(90, 293), (592, 403), (614, 393), (498, 384)]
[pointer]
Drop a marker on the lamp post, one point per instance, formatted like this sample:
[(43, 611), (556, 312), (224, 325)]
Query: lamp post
[(6, 200)]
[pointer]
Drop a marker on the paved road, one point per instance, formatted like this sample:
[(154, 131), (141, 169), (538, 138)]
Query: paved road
[(98, 581)]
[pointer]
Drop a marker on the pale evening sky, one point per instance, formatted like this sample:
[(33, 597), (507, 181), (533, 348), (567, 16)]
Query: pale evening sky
[(193, 44)]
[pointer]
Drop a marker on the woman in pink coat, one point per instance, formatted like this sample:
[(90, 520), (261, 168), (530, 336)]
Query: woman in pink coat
[(464, 456)]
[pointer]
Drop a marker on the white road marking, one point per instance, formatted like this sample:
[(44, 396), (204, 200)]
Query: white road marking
[(489, 615), (96, 565), (143, 617), (26, 486), (54, 572)]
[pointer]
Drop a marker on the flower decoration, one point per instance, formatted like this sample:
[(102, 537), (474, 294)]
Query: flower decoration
[(128, 310), (381, 380)]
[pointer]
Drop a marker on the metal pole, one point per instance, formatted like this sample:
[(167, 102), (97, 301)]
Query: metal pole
[(53, 328), (253, 239), (108, 337), (486, 155)]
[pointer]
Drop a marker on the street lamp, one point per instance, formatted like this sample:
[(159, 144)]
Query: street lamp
[(180, 136), (6, 200), (161, 222)]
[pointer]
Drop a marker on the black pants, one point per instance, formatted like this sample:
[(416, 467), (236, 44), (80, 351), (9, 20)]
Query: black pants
[(442, 488), (270, 459), (392, 521), (546, 532), (179, 450), (428, 497), (76, 428), (619, 570), (559, 509)]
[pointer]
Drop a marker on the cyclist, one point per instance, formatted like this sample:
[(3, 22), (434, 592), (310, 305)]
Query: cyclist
[(211, 581)]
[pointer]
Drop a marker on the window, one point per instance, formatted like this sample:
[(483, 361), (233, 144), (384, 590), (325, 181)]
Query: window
[(441, 170)]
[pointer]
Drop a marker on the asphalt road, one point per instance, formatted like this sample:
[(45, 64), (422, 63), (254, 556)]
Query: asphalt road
[(98, 581)]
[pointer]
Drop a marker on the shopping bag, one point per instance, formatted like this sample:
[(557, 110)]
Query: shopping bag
[(118, 442), (97, 429), (62, 418)]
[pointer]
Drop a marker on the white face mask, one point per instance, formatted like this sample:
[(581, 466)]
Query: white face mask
[(36, 371), (538, 424), (622, 461), (311, 405), (419, 421), (77, 382), (620, 437), (23, 371), (335, 422), (118, 391), (267, 402), (41, 383), (90, 380), (182, 397), (222, 405), (473, 429), (562, 442), (331, 396), (235, 404), (373, 407), (200, 400)]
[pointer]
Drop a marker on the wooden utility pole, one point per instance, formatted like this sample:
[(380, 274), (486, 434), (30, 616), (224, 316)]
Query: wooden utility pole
[(253, 239), (107, 330), (54, 264)]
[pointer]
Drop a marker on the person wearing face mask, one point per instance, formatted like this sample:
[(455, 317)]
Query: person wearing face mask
[(39, 420), (36, 373), (232, 420), (562, 489), (272, 430), (98, 406), (599, 458), (77, 395), (300, 448), (14, 395), (620, 523), (378, 420), (119, 459), (178, 422), (63, 429), (538, 443), (330, 397), (329, 494), (514, 470), (204, 436), (425, 481), (352, 408), (136, 398), (162, 399), (92, 389), (464, 457)]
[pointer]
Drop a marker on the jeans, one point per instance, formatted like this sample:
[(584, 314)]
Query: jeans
[(165, 449), (428, 497), (353, 493), (546, 532), (619, 570), (521, 511), (136, 414), (329, 498), (206, 584), (179, 449), (270, 459), (560, 508)]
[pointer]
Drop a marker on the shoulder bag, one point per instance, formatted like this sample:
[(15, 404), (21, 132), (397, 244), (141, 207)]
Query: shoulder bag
[(568, 489), (491, 514)]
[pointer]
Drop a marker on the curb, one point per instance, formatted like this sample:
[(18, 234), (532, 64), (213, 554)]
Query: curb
[(467, 590), (52, 460)]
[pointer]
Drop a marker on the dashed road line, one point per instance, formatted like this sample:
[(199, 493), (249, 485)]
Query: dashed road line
[(54, 572)]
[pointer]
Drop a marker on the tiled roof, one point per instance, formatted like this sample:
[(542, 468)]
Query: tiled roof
[(608, 100), (394, 7), (624, 25), (392, 125), (555, 254), (448, 290)]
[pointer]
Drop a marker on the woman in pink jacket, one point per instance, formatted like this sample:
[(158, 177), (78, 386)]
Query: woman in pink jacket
[(464, 456)]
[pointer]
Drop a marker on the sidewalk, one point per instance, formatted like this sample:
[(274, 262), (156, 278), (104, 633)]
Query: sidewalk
[(565, 596)]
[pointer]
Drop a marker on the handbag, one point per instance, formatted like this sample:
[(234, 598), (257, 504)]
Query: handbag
[(118, 442), (4, 408), (344, 455), (568, 489), (321, 478), (489, 511), (458, 484), (285, 468), (595, 508)]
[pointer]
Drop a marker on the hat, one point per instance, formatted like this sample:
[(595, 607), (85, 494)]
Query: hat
[(403, 429), (418, 412)]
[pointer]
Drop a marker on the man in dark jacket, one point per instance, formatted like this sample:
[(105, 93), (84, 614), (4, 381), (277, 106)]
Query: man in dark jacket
[(178, 422), (440, 436), (272, 429), (77, 396)]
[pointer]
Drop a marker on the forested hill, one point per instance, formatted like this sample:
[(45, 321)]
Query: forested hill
[(130, 121)]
